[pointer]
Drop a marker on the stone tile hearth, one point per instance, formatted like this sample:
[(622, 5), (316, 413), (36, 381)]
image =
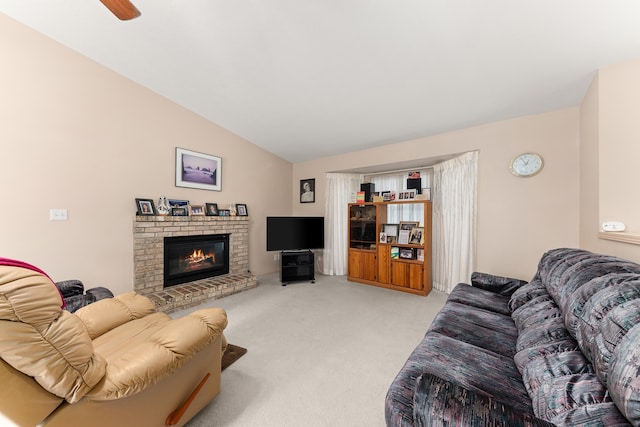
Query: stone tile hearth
[(148, 239)]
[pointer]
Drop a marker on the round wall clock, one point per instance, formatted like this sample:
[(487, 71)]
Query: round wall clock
[(526, 164)]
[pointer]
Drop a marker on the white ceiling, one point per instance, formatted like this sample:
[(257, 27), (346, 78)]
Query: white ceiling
[(312, 78)]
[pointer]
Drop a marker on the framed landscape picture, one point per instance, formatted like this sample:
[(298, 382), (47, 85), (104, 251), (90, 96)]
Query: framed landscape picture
[(198, 170)]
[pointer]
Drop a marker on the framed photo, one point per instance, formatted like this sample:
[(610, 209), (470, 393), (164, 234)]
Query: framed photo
[(416, 236), (383, 237), (196, 210), (241, 209), (308, 190), (427, 193), (224, 212), (406, 253), (391, 230), (386, 196), (420, 254), (174, 203), (405, 231), (211, 209), (197, 170), (182, 211), (146, 207)]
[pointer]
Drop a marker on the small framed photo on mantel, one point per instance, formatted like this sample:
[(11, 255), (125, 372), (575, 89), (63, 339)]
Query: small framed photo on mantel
[(241, 209), (146, 207)]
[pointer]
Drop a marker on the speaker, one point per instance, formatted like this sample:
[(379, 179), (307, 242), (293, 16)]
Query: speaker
[(368, 188), (415, 183)]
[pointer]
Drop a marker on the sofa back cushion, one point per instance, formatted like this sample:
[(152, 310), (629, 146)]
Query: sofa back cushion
[(40, 339), (598, 298)]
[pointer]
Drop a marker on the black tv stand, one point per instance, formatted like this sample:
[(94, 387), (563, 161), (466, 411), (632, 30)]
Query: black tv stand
[(296, 266)]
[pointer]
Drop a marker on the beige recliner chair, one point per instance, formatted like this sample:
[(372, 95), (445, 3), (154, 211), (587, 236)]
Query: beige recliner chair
[(116, 362)]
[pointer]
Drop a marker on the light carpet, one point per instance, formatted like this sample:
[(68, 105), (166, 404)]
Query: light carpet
[(321, 354)]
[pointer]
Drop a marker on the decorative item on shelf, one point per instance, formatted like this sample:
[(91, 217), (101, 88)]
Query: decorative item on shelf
[(175, 203), (391, 230), (406, 253), (420, 254), (197, 170), (307, 190), (163, 206), (145, 207), (383, 237), (196, 210), (407, 195), (368, 188), (241, 209), (395, 252), (414, 182), (181, 211), (232, 210), (416, 237), (405, 231), (386, 196), (224, 212), (212, 209)]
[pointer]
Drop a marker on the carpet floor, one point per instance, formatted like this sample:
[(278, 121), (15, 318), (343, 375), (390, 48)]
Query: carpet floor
[(320, 355)]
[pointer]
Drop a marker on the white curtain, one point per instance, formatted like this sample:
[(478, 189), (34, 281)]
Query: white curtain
[(397, 181), (339, 187), (454, 220)]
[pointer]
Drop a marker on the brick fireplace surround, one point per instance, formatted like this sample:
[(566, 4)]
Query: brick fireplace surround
[(148, 240)]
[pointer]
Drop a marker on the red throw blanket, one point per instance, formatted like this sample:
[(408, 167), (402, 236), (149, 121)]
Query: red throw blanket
[(22, 264)]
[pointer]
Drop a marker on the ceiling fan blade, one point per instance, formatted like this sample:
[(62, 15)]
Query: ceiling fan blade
[(123, 9)]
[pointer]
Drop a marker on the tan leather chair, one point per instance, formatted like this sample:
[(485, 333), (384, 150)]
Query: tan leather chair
[(116, 362)]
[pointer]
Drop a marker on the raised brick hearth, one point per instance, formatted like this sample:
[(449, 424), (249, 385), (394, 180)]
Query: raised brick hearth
[(148, 239)]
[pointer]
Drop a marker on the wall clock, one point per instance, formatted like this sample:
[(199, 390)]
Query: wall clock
[(526, 164)]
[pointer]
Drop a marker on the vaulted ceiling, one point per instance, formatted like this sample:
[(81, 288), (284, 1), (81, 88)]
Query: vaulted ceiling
[(313, 78)]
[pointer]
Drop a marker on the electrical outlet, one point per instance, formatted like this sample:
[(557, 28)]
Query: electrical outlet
[(276, 257), (58, 214)]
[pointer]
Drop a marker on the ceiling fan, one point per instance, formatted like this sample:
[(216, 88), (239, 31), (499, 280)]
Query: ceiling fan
[(123, 9)]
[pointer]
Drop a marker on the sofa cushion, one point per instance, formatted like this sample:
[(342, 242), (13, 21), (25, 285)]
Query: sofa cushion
[(623, 380), (543, 332), (482, 328), (526, 293), (440, 402), (480, 298)]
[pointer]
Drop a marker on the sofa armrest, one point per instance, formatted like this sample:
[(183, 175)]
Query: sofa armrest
[(497, 284), (107, 314), (440, 402)]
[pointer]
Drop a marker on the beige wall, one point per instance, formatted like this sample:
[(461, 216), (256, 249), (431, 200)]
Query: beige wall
[(518, 218), (76, 135), (610, 152)]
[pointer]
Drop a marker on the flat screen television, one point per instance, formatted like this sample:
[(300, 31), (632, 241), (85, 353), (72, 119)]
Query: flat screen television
[(290, 233)]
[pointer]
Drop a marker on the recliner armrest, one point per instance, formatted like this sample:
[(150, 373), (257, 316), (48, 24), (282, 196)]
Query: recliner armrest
[(497, 284)]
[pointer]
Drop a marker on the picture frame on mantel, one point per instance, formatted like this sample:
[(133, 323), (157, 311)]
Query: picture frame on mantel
[(146, 207), (198, 170)]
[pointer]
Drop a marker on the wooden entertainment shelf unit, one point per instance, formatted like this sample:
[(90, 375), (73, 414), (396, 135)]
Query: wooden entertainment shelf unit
[(384, 261)]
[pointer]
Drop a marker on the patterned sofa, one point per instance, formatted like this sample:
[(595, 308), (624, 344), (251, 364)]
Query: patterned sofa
[(563, 349)]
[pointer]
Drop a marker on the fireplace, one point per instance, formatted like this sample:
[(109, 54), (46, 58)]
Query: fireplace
[(189, 258)]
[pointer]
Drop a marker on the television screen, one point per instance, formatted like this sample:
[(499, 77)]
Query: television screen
[(288, 233)]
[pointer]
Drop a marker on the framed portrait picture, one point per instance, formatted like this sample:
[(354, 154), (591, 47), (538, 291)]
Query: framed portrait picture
[(211, 209), (308, 190), (146, 207), (405, 231), (241, 209), (416, 236), (198, 170), (196, 210)]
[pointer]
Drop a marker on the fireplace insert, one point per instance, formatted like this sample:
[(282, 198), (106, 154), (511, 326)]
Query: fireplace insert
[(189, 258)]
